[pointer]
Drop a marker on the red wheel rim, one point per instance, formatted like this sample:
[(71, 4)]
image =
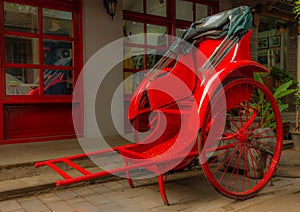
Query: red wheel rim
[(243, 159)]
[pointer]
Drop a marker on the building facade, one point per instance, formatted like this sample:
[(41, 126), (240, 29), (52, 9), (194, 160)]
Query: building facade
[(46, 46)]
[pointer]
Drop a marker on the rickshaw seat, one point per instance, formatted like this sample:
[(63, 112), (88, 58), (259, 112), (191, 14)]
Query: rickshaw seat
[(232, 22)]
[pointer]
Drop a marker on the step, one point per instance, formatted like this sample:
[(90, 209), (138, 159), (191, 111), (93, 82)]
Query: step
[(41, 183)]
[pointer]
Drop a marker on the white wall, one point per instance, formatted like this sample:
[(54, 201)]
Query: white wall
[(99, 30)]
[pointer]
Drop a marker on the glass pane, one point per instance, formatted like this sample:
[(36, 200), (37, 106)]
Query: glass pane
[(58, 82), (157, 7), (58, 52), (127, 54), (184, 10), (57, 22), (159, 38), (153, 56), (134, 28), (201, 11), (132, 80), (133, 5), (137, 78), (21, 81), (128, 82), (137, 58), (19, 17), (179, 32), (21, 50)]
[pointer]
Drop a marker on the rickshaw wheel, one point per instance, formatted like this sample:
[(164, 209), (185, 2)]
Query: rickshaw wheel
[(240, 158)]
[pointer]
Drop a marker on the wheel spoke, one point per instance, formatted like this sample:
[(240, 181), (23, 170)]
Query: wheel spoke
[(256, 164), (232, 173), (245, 171), (238, 164), (218, 148), (220, 155), (228, 165), (238, 168)]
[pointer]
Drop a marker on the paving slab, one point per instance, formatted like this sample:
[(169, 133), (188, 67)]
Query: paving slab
[(181, 192)]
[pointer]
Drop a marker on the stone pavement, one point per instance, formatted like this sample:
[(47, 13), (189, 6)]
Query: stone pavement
[(186, 191)]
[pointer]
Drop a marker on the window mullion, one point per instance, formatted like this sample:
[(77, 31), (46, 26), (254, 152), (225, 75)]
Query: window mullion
[(2, 58), (41, 52), (144, 6), (194, 11)]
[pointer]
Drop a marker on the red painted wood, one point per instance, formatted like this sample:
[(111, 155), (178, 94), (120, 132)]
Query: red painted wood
[(38, 139), (79, 81), (1, 122), (41, 53), (44, 119), (2, 76), (26, 121), (55, 4)]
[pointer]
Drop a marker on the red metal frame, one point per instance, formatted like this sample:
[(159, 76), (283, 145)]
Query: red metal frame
[(205, 96), (74, 6), (174, 122), (235, 68)]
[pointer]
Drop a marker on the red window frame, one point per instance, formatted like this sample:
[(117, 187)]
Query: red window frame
[(73, 6), (170, 21)]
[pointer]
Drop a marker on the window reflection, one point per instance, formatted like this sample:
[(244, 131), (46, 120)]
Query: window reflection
[(157, 35), (57, 22), (156, 7), (21, 50), (180, 32), (186, 10), (21, 18), (201, 11), (133, 28), (58, 82), (21, 81), (58, 52)]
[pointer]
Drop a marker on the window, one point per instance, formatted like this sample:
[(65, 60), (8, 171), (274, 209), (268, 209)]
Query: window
[(160, 17), (39, 46), (272, 35)]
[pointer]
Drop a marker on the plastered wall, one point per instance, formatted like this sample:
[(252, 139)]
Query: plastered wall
[(100, 30)]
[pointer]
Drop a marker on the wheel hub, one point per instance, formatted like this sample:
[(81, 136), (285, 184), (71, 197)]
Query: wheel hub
[(243, 138)]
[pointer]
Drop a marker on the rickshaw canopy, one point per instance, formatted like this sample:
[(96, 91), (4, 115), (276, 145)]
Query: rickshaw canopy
[(234, 22)]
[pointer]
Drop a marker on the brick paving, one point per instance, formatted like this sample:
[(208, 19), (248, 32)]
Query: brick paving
[(186, 191), (189, 192)]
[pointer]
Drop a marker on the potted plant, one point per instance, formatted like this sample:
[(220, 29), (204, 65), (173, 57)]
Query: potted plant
[(280, 93), (280, 76), (273, 81), (295, 132), (265, 130)]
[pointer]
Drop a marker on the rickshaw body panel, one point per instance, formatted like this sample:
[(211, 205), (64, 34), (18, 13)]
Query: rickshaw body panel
[(183, 81), (234, 69)]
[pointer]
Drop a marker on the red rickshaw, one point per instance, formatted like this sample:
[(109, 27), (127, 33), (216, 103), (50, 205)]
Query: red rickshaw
[(202, 101)]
